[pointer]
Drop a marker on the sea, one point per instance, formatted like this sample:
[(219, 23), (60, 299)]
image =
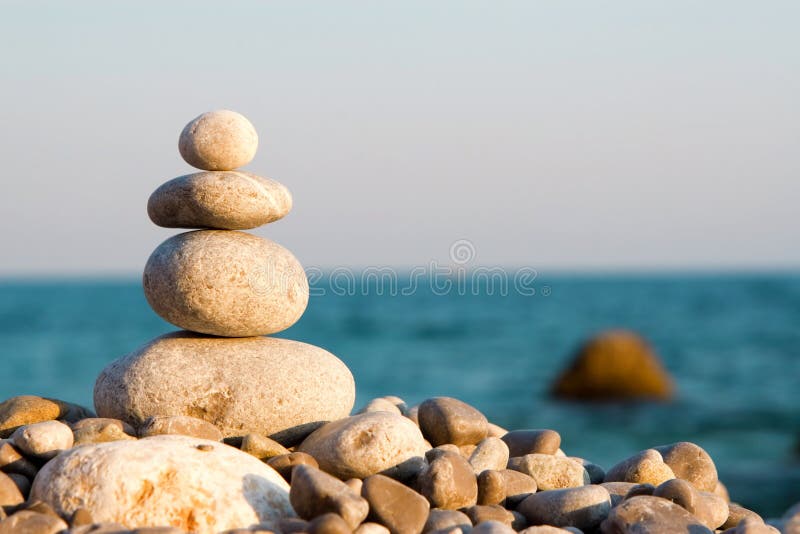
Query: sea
[(730, 341)]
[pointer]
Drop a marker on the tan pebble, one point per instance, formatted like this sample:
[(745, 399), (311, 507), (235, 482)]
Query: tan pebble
[(491, 512), (380, 405), (491, 487), (28, 409), (584, 507), (42, 440), (737, 513), (371, 528), (225, 283), (522, 442), (439, 520), (10, 495), (401, 509), (490, 453), (314, 493), (449, 420), (262, 447), (546, 529), (646, 467), (619, 490), (41, 508), (183, 425), (397, 401), (80, 517), (449, 482), (711, 509), (518, 486), (328, 524), (722, 491), (11, 461), (750, 525), (225, 200), (492, 527), (496, 431), (285, 463), (365, 444), (550, 472), (220, 140), (690, 462), (355, 484), (26, 522), (102, 422), (101, 430), (653, 515), (466, 450)]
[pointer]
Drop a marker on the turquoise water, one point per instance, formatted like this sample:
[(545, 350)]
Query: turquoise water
[(732, 343)]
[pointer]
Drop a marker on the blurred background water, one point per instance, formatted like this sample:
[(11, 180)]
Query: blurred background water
[(731, 342)]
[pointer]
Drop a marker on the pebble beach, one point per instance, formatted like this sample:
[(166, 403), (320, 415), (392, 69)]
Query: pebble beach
[(222, 427)]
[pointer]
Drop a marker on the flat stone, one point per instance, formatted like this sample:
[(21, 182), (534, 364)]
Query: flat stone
[(314, 493), (284, 463), (518, 486), (9, 492), (365, 444), (447, 420), (257, 385), (550, 472), (329, 523), (220, 140), (226, 200), (651, 515), (101, 430), (26, 522), (491, 487), (449, 482), (584, 507), (28, 409), (646, 467), (42, 440), (190, 483), (184, 425), (445, 519), (262, 447), (690, 462), (397, 507), (490, 453), (225, 283), (522, 442)]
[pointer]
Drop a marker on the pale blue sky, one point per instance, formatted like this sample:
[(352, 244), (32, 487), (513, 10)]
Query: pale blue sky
[(629, 134)]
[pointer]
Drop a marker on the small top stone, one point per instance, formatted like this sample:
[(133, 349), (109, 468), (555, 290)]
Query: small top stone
[(220, 140)]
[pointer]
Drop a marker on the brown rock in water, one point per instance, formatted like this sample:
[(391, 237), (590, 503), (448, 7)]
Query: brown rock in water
[(447, 420), (614, 365), (397, 507), (28, 409), (449, 482), (691, 463), (314, 493), (645, 467), (651, 515), (183, 425), (522, 442)]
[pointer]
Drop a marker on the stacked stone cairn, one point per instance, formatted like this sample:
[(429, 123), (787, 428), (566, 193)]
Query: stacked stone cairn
[(217, 428)]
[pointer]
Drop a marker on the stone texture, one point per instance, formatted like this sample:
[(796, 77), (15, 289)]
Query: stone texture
[(614, 365), (690, 462), (252, 385), (584, 507), (183, 425), (225, 283), (26, 522), (190, 483), (42, 440), (101, 430), (365, 444), (447, 420), (522, 442), (491, 453), (646, 467), (550, 472), (262, 447), (651, 515), (491, 487), (489, 512), (28, 409), (439, 519), (518, 486), (449, 482), (284, 463), (219, 140), (226, 200), (397, 507), (711, 509), (314, 493)]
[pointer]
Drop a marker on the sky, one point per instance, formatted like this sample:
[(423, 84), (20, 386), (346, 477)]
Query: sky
[(557, 135)]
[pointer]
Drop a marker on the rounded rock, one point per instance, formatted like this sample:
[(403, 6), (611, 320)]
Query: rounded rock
[(491, 487), (225, 283), (315, 493), (394, 505), (690, 462), (447, 420), (194, 484), (518, 486), (365, 444), (653, 515), (43, 440), (219, 140), (27, 522), (584, 507), (491, 453), (449, 482), (256, 385), (645, 467), (551, 472), (28, 409), (179, 424), (226, 200), (522, 442), (439, 519)]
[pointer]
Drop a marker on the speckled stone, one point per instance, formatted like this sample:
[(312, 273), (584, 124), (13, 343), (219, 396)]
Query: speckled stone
[(522, 442), (646, 467), (27, 409), (219, 140), (365, 444), (227, 200), (584, 507), (448, 420), (651, 515), (690, 462), (194, 484), (42, 440), (381, 405), (257, 385), (184, 425), (550, 472), (490, 453), (225, 283)]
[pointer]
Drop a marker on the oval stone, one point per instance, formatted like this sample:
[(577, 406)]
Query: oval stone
[(219, 140), (257, 385), (194, 484), (584, 507), (228, 200), (225, 283)]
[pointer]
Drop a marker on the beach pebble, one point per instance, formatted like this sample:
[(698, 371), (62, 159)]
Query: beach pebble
[(399, 508), (491, 487), (490, 453), (491, 512), (639, 489), (80, 517), (42, 440), (183, 425), (225, 200), (753, 526), (550, 472), (707, 507), (690, 462), (722, 491), (101, 430), (28, 409), (522, 442), (439, 519), (447, 420), (190, 483), (619, 490), (284, 463), (225, 283), (262, 447), (496, 431), (381, 405), (329, 523), (518, 486), (492, 527), (737, 513), (11, 461), (449, 482), (220, 140), (547, 529), (651, 515), (27, 522), (584, 507), (371, 528), (645, 467), (10, 495), (365, 444), (262, 385), (314, 493)]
